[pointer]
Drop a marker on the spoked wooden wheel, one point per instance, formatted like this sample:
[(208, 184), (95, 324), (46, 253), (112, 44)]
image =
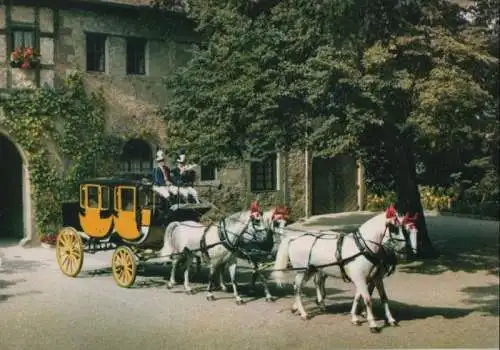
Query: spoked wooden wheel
[(124, 266), (69, 251)]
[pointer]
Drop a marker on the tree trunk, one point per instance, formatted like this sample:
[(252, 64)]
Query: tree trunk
[(408, 196)]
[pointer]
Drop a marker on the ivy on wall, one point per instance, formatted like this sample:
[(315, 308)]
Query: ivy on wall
[(62, 133)]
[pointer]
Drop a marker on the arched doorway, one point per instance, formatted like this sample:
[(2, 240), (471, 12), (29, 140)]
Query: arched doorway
[(137, 157), (12, 220)]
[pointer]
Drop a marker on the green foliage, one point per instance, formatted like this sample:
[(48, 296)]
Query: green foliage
[(48, 123)]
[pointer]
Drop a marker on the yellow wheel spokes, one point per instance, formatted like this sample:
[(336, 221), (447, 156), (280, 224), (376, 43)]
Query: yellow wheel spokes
[(124, 268), (69, 251)]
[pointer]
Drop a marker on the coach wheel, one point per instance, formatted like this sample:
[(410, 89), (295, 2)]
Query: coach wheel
[(124, 266), (69, 251)]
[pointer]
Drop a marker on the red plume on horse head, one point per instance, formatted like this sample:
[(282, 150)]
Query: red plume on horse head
[(280, 212), (255, 208), (391, 212)]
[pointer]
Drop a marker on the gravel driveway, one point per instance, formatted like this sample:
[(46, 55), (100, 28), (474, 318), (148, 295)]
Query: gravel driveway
[(449, 302)]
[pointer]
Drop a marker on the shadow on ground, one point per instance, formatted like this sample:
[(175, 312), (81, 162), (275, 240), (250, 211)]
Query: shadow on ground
[(485, 298)]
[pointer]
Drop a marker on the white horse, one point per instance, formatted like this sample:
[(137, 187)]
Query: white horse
[(358, 256), (408, 225), (220, 244)]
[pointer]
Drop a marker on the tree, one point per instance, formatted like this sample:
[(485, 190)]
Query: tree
[(359, 76)]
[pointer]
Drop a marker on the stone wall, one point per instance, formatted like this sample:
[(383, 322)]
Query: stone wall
[(132, 100)]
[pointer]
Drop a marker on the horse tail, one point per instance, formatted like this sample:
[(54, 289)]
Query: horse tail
[(281, 262), (168, 240)]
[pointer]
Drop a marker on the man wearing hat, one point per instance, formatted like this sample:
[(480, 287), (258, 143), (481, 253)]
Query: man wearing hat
[(177, 176), (162, 180)]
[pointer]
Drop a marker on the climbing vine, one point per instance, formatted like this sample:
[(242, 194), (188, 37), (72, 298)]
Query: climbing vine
[(62, 133)]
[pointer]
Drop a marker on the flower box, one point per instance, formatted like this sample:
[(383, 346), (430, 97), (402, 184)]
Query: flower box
[(25, 58)]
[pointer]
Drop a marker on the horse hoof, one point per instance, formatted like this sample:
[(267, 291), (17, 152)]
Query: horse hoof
[(170, 285), (356, 323), (304, 317), (269, 299), (210, 298), (393, 324), (189, 292), (316, 301), (374, 330), (293, 311), (239, 302)]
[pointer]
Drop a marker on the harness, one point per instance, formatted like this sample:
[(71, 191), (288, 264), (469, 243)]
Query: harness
[(383, 258)]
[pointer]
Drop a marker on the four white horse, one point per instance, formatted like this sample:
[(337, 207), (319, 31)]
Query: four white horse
[(220, 245), (359, 256)]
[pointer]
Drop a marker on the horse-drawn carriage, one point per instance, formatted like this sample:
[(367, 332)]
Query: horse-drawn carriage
[(120, 214)]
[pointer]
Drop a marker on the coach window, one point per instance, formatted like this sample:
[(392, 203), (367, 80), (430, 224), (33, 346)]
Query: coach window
[(93, 196), (127, 199), (104, 197), (82, 196)]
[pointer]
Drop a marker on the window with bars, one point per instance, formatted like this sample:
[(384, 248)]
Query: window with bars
[(23, 37), (136, 56), (207, 172), (264, 175), (96, 52), (136, 157)]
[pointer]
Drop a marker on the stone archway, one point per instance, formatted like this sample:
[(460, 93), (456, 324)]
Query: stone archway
[(16, 219)]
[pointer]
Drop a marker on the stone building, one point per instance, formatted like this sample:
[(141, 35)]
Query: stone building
[(117, 50)]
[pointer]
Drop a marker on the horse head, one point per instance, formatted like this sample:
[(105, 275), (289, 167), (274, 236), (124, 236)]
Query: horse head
[(279, 217), (256, 218), (402, 232)]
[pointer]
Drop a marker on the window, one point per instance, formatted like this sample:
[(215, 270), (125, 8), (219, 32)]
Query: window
[(208, 173), (104, 197), (263, 175), (92, 196), (127, 199), (82, 196), (137, 157), (23, 37), (96, 52), (136, 56)]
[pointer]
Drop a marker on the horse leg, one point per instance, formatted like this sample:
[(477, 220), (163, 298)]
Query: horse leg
[(362, 288), (319, 281), (232, 273), (371, 287), (258, 274), (383, 296), (300, 279), (171, 282), (354, 314), (187, 287), (223, 286), (210, 295)]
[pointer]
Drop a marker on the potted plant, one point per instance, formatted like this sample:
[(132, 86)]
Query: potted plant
[(49, 240), (24, 58)]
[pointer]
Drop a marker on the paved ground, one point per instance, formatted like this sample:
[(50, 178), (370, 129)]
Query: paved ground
[(450, 302)]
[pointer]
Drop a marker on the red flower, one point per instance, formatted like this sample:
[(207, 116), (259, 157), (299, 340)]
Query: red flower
[(25, 65)]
